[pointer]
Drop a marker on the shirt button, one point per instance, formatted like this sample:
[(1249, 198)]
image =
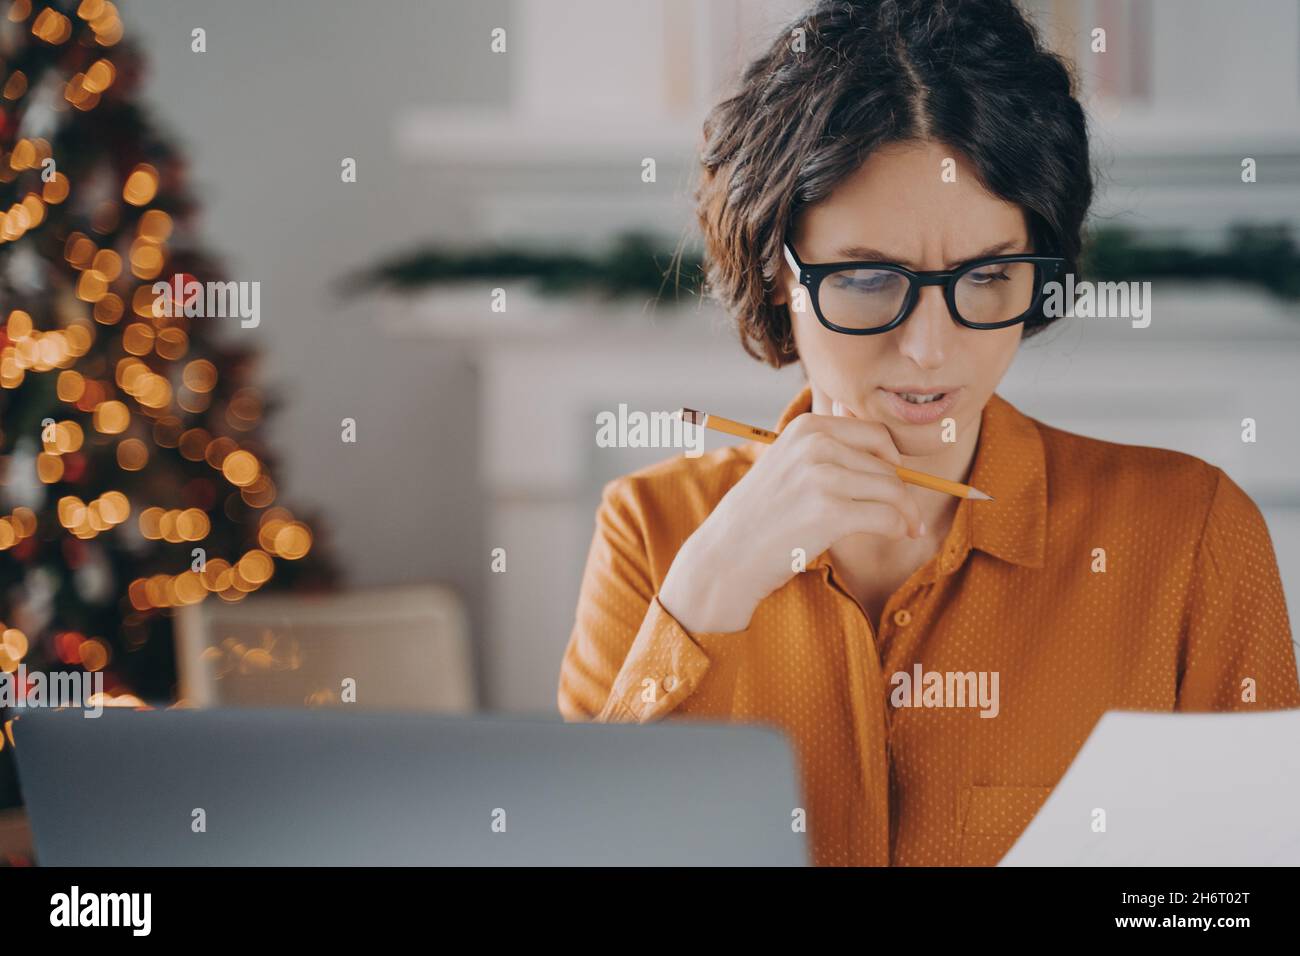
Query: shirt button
[(902, 617)]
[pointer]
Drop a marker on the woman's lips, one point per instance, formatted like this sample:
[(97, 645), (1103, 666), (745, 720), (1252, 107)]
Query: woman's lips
[(925, 414)]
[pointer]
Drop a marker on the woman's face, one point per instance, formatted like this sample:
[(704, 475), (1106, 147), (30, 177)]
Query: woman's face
[(900, 206)]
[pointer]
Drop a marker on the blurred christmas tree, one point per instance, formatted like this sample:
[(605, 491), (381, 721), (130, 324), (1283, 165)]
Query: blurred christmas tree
[(132, 476)]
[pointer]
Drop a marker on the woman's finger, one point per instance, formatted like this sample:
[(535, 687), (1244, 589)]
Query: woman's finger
[(873, 437), (874, 517), (848, 484)]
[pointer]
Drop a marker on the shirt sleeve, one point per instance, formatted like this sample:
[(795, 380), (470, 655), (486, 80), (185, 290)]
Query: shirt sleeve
[(627, 659), (1238, 653)]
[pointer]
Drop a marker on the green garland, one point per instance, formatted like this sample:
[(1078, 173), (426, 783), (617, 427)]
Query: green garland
[(636, 264), (1265, 256)]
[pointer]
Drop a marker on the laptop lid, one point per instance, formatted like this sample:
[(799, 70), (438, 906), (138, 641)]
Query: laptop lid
[(191, 787)]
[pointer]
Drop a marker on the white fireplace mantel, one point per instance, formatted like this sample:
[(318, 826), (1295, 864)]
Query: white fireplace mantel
[(1211, 357)]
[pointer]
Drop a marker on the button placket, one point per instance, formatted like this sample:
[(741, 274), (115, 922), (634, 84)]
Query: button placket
[(904, 612), (905, 652), (897, 617), (866, 677)]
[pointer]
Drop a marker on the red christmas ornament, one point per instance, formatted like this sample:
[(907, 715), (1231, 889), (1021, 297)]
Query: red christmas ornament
[(199, 493), (74, 552), (182, 290), (74, 466), (67, 644)]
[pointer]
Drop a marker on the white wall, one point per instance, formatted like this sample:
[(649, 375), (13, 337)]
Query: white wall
[(285, 90), (456, 143)]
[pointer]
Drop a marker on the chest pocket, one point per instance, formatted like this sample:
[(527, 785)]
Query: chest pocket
[(992, 818)]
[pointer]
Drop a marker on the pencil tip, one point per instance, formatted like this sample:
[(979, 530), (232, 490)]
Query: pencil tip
[(979, 495), (690, 416)]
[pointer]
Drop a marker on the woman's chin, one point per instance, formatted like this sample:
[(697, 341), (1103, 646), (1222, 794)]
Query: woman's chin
[(917, 448)]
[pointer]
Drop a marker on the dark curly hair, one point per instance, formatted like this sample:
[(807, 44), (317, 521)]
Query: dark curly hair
[(971, 74)]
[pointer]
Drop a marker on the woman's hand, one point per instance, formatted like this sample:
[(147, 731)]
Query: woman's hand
[(825, 477)]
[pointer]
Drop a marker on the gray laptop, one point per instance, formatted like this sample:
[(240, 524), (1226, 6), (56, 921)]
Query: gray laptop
[(251, 788)]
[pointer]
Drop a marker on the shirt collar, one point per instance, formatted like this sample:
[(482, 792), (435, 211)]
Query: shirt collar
[(1010, 464)]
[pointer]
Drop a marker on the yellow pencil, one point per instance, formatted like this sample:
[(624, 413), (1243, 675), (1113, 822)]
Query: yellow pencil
[(911, 477)]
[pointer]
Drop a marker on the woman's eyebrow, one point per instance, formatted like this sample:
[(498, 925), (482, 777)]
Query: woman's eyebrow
[(996, 250), (868, 254)]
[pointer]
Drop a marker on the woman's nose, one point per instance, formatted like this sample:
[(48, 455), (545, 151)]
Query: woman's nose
[(924, 336)]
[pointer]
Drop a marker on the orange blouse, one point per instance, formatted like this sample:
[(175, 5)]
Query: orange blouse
[(1101, 577)]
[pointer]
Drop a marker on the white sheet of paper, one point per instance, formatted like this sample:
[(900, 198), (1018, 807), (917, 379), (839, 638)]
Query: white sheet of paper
[(1204, 789)]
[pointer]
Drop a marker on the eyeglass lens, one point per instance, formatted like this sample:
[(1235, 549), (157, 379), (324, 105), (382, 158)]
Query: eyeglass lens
[(871, 298)]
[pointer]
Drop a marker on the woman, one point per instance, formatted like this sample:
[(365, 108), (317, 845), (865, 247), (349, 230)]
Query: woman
[(935, 662)]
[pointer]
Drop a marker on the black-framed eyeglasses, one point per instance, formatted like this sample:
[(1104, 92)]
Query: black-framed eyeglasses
[(867, 298)]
